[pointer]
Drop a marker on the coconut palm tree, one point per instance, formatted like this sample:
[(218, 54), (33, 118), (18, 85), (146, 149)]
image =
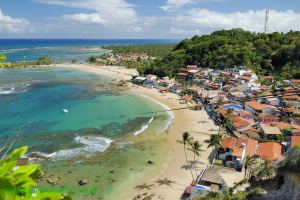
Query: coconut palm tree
[(196, 149), (228, 120), (214, 141), (187, 139), (249, 162)]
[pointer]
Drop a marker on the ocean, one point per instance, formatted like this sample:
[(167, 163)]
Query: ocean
[(62, 50), (84, 127)]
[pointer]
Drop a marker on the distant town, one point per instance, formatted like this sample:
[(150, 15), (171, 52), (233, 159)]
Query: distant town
[(260, 116)]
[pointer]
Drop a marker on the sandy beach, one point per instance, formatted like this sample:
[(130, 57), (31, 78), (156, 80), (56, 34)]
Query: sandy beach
[(175, 169)]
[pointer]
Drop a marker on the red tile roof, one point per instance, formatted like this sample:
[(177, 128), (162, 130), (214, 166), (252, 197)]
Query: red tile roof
[(257, 106), (235, 144), (269, 151), (295, 140), (229, 142), (250, 147), (239, 122)]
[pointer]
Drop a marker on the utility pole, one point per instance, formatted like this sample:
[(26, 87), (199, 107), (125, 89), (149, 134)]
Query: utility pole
[(266, 20)]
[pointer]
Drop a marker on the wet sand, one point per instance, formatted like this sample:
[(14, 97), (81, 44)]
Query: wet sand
[(174, 166)]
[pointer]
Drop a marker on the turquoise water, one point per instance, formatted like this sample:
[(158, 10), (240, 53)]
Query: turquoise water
[(32, 103), (63, 50)]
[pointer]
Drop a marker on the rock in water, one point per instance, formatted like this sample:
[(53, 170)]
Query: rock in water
[(150, 162), (83, 182)]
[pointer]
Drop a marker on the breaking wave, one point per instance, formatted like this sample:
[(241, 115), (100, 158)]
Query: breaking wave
[(144, 127), (90, 145)]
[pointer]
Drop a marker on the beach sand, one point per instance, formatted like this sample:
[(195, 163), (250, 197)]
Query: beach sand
[(175, 169)]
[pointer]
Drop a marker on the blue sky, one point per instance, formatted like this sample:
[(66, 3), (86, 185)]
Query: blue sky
[(141, 18)]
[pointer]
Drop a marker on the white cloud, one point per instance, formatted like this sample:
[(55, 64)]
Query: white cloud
[(172, 5), (12, 25), (105, 12), (86, 18), (282, 21)]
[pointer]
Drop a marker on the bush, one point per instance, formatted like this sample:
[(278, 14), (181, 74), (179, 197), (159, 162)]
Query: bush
[(17, 182)]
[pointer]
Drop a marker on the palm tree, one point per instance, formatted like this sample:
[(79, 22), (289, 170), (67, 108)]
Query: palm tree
[(196, 149), (228, 120), (249, 162), (187, 139), (214, 141)]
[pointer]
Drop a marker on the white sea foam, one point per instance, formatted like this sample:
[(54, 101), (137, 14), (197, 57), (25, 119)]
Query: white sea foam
[(166, 108), (144, 127), (91, 145), (4, 91), (13, 88)]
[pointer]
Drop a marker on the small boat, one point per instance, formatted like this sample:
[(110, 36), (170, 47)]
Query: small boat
[(65, 110)]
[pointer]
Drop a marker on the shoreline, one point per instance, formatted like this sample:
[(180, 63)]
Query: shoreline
[(197, 123)]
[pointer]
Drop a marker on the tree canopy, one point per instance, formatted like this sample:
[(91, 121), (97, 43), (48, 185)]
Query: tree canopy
[(267, 54)]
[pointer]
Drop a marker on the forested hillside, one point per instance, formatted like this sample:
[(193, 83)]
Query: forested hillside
[(275, 53)]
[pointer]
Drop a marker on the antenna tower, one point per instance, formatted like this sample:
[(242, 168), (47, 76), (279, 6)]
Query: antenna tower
[(266, 20)]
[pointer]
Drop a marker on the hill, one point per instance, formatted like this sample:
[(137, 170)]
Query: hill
[(267, 54)]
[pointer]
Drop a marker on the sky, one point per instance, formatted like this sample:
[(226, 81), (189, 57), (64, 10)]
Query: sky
[(142, 19)]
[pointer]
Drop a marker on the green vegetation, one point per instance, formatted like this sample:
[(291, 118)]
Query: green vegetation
[(214, 141), (44, 60), (2, 61), (153, 50), (266, 54), (18, 183), (242, 195), (292, 160)]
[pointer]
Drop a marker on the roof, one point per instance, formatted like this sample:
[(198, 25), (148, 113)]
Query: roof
[(212, 174), (269, 151), (283, 125), (292, 97), (235, 144), (296, 130), (250, 147), (258, 106), (186, 98), (288, 88), (295, 81), (229, 142), (267, 116), (239, 122), (295, 140), (270, 130)]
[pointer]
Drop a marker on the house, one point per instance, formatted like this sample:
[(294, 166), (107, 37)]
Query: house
[(266, 118), (269, 151), (237, 96), (176, 89), (270, 132), (251, 133), (273, 101), (255, 107), (139, 80), (235, 149), (211, 178), (239, 124), (296, 132), (291, 97), (245, 114), (295, 140), (237, 70), (295, 82), (289, 89)]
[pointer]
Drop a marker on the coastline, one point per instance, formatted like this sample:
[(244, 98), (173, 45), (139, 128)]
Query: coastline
[(197, 123)]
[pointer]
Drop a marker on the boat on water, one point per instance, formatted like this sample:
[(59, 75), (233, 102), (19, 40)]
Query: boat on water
[(65, 110)]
